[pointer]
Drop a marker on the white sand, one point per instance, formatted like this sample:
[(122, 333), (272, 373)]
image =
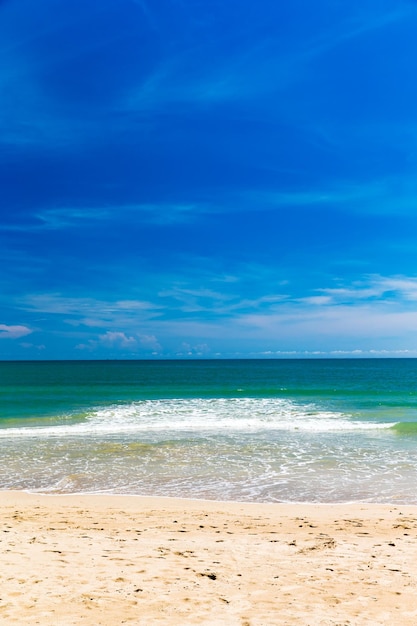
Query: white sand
[(68, 560)]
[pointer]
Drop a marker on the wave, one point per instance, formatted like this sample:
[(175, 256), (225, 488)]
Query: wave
[(405, 428), (199, 416)]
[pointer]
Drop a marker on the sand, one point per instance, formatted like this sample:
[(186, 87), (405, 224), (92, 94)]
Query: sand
[(114, 560)]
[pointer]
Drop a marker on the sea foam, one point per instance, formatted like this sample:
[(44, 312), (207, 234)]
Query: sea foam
[(198, 415)]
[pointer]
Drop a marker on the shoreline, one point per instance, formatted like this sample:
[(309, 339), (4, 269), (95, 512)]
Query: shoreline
[(147, 498), (261, 503), (111, 559)]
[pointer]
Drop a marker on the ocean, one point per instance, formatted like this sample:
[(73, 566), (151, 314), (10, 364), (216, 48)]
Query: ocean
[(317, 430)]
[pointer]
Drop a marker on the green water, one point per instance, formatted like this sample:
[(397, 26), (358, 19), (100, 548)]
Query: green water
[(279, 430), (37, 389)]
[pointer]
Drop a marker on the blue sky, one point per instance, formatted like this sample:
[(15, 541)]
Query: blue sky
[(187, 179)]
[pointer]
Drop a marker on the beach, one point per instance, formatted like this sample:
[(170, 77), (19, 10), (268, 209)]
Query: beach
[(108, 560), (235, 493)]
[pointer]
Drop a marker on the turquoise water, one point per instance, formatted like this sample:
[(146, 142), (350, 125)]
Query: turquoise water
[(272, 431)]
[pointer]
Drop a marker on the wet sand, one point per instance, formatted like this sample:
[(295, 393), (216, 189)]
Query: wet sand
[(110, 560)]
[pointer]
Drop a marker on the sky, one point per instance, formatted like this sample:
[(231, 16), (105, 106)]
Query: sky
[(193, 179)]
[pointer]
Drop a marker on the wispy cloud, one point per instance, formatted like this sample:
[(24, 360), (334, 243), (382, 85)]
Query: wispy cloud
[(54, 90), (31, 346), (384, 196), (14, 332), (252, 70), (67, 218), (395, 196), (378, 309), (397, 289), (375, 313), (363, 21), (193, 300), (91, 312), (217, 303), (55, 219)]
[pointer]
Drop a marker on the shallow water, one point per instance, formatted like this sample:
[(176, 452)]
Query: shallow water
[(289, 431)]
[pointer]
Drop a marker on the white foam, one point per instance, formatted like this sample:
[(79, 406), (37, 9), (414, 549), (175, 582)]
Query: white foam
[(201, 415)]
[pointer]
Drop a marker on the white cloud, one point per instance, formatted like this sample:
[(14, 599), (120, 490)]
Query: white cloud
[(400, 288), (336, 353), (402, 285), (316, 300), (117, 339), (120, 340), (150, 342), (14, 332), (200, 349), (333, 325), (110, 339)]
